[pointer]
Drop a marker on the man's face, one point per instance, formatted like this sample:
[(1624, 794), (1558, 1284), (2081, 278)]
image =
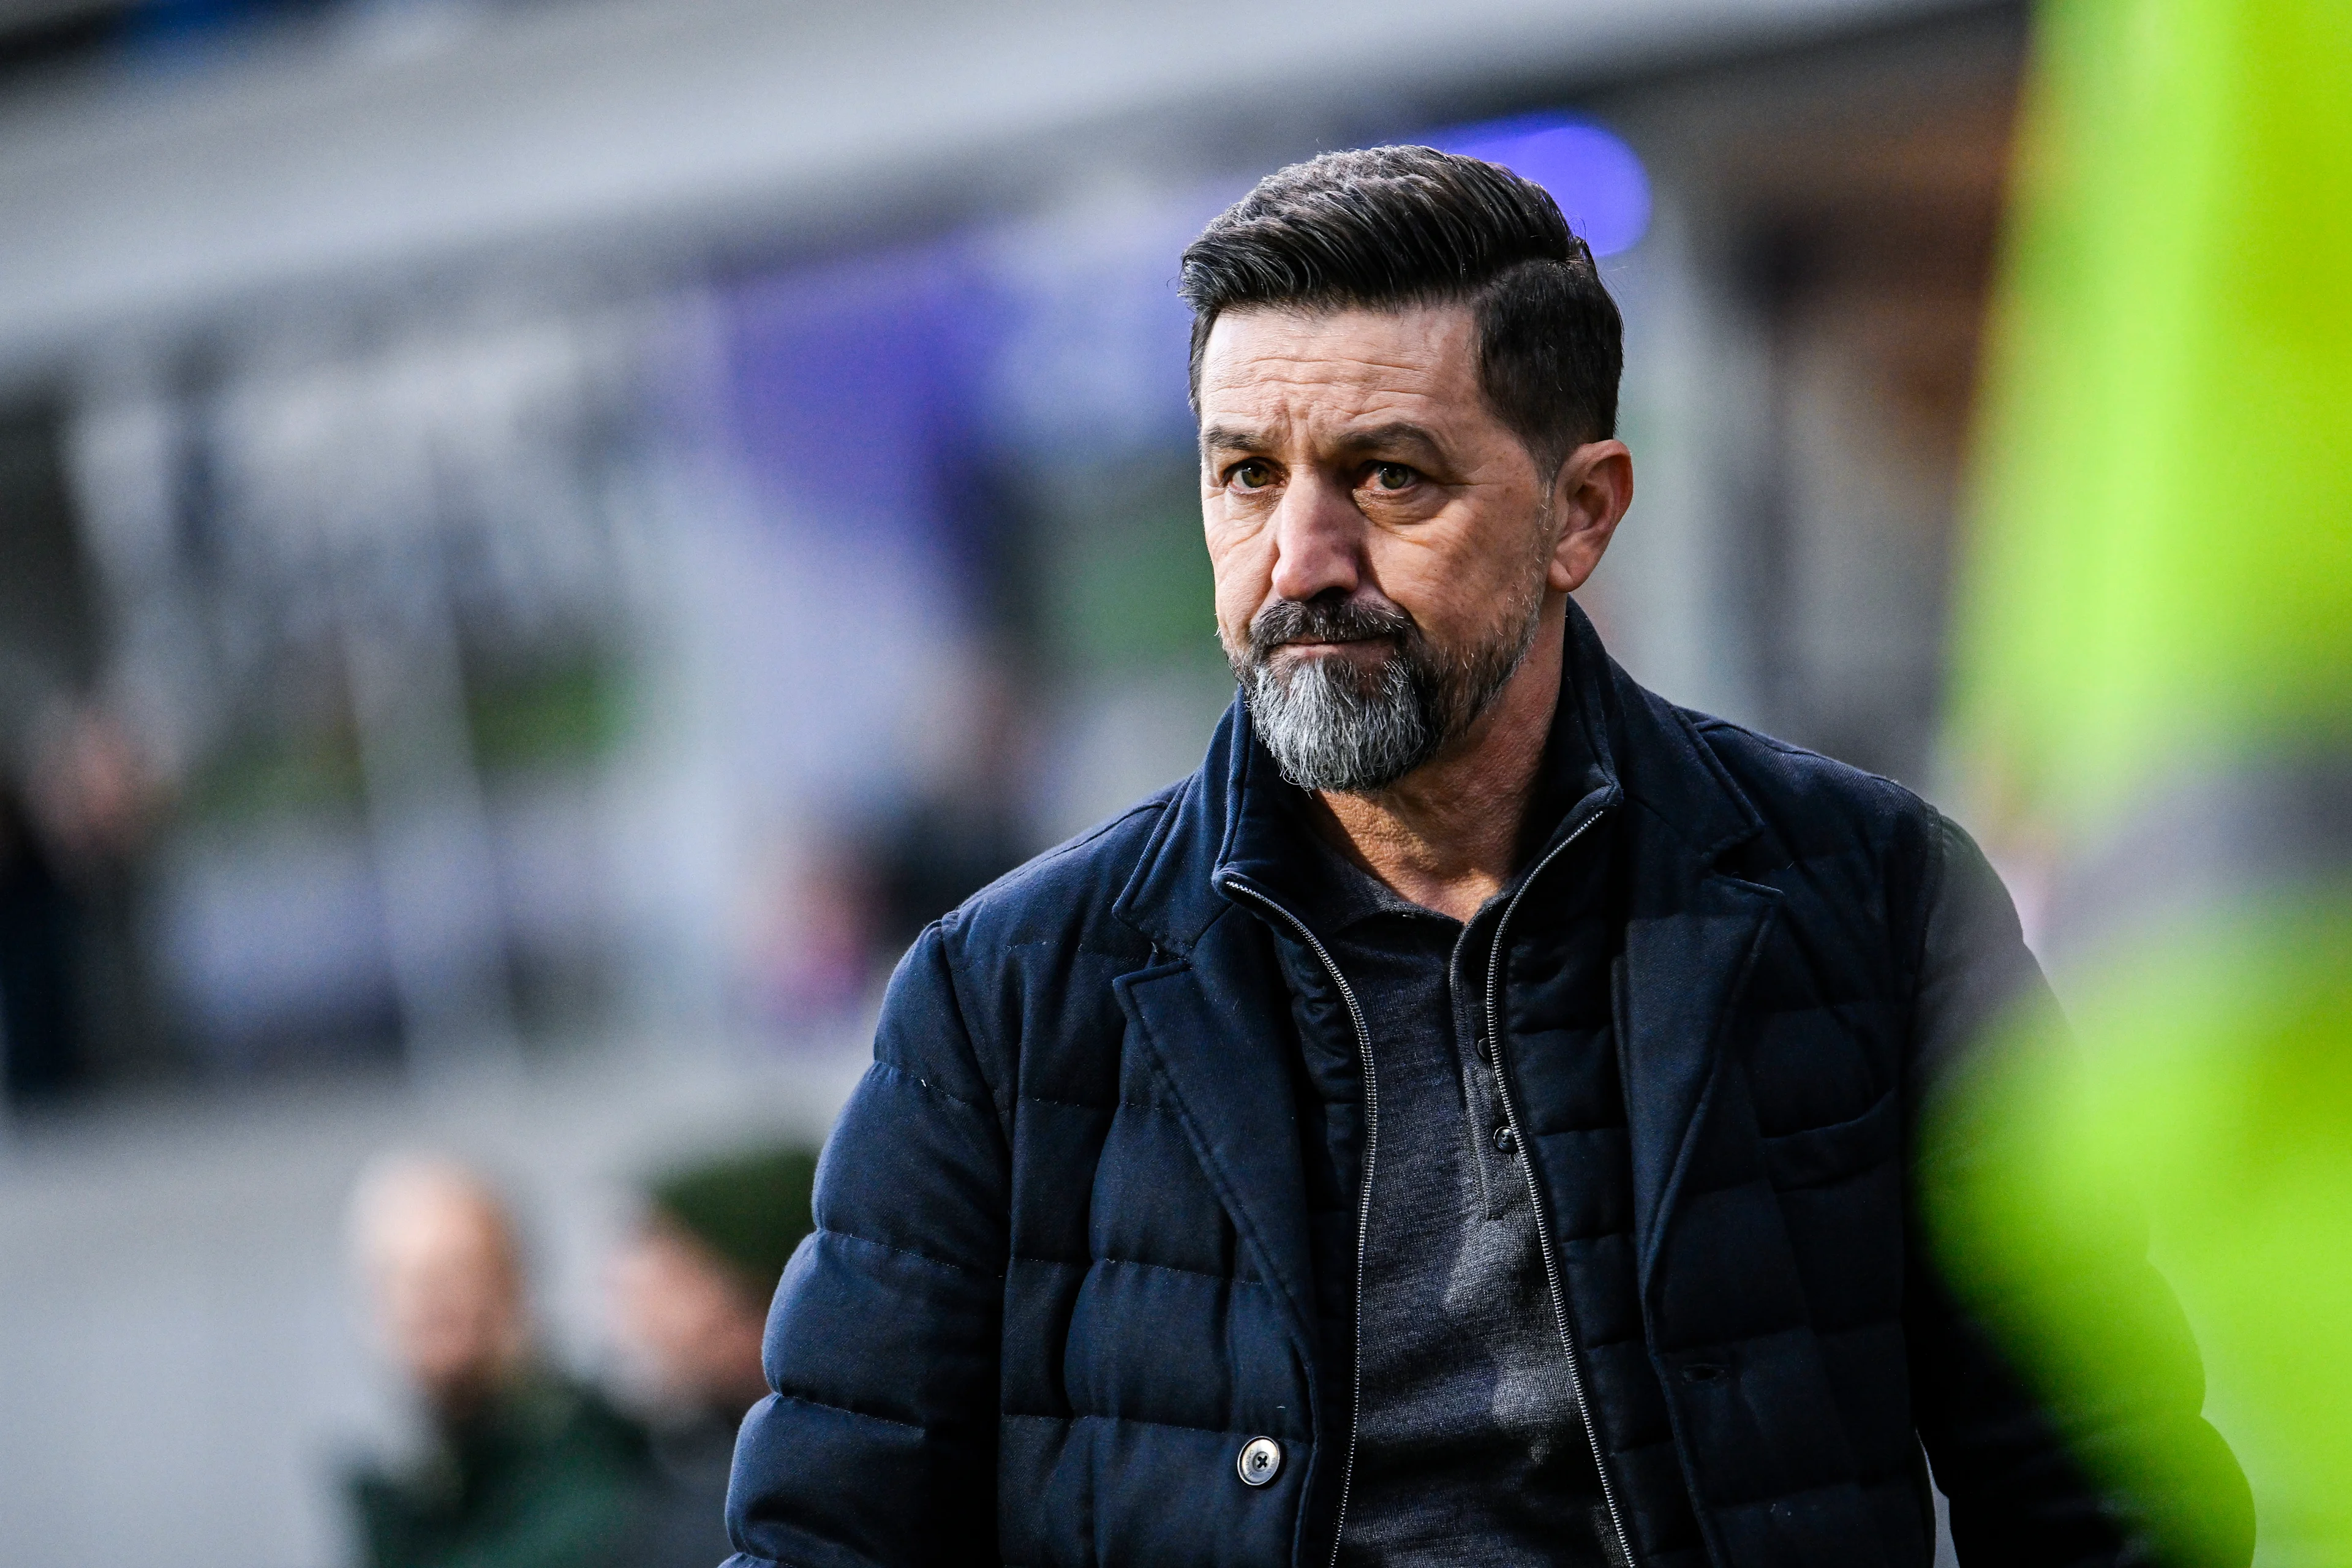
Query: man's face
[(1382, 542), (441, 1265), (685, 1322)]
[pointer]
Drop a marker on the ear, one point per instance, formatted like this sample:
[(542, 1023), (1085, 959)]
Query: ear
[(1588, 496)]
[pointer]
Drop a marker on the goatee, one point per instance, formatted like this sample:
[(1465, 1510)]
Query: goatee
[(1332, 724)]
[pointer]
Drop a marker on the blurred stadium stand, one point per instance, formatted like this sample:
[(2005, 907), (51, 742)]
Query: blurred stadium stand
[(565, 528)]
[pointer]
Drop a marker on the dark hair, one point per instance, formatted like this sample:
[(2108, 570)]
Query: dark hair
[(1398, 227)]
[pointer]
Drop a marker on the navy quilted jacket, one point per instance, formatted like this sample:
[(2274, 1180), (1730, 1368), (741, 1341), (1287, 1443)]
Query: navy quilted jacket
[(1066, 1274)]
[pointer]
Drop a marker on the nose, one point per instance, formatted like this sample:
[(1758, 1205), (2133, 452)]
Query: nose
[(1317, 541)]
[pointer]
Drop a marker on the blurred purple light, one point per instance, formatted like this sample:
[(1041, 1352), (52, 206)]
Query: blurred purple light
[(1590, 173)]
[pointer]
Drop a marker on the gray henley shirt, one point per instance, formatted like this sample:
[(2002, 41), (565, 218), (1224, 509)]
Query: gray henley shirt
[(1469, 1445)]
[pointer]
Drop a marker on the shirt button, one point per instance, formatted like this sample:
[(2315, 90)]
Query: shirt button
[(1504, 1140), (1260, 1458)]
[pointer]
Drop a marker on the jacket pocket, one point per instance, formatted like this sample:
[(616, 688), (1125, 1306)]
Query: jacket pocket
[(1819, 1156)]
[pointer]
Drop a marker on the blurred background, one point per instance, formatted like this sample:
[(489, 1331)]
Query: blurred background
[(542, 539)]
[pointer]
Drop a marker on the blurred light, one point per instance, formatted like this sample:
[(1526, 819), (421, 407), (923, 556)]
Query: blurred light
[(1596, 179)]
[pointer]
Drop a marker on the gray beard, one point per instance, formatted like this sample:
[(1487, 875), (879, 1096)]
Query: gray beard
[(1328, 728)]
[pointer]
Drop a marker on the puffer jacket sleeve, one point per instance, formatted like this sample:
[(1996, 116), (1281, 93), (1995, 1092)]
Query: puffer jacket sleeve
[(878, 1445), (2010, 1462)]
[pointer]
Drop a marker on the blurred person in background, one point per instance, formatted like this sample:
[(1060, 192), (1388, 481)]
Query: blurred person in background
[(522, 1467), (691, 1292), (74, 819), (80, 792), (40, 1047), (1471, 1119), (966, 827)]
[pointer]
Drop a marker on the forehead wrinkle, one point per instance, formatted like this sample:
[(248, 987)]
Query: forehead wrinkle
[(1329, 412), (1381, 416), (1259, 399), (1306, 389), (1327, 369)]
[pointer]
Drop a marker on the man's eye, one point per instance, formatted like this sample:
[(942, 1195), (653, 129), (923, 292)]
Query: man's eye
[(1251, 476), (1392, 476)]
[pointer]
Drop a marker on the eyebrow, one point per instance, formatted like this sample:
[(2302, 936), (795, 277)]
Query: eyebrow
[(1230, 438), (1397, 433)]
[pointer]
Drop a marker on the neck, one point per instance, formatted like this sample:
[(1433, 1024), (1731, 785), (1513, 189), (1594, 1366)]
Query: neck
[(1446, 833)]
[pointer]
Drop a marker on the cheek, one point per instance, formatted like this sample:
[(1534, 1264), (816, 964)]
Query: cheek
[(1455, 575), (1240, 562), (1432, 578)]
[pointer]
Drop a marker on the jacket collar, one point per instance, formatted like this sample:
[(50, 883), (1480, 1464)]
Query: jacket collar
[(1693, 934), (1627, 738), (1690, 937)]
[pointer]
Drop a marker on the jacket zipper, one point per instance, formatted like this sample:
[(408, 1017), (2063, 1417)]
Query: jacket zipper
[(1364, 1207), (1527, 1172)]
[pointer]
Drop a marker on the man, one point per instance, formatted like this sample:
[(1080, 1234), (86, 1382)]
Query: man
[(691, 1292), (1469, 1120), (523, 1468)]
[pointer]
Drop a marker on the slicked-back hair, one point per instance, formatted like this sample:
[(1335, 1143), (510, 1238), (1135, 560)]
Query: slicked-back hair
[(1396, 228)]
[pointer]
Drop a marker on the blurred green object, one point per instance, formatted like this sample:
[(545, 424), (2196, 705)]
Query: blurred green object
[(541, 1476), (2154, 697), (752, 1208), (2164, 480)]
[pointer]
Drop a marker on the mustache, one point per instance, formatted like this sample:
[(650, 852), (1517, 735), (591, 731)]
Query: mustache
[(1325, 620)]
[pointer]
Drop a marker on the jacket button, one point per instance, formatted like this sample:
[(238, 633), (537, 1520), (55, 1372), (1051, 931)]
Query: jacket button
[(1260, 1458), (1505, 1142)]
